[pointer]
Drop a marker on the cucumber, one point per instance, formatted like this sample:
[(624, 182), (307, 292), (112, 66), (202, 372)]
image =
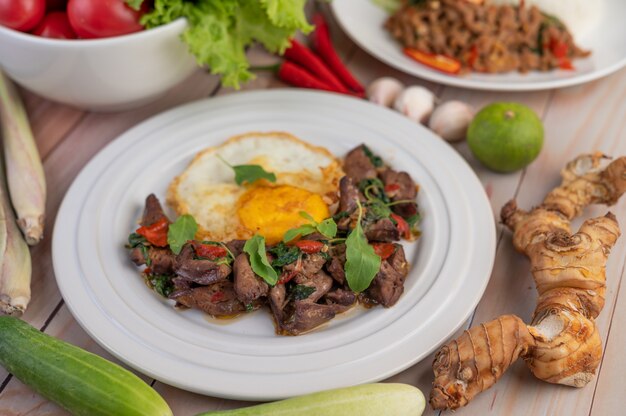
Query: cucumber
[(378, 399), (81, 382)]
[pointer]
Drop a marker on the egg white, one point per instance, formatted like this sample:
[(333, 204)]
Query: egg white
[(207, 188)]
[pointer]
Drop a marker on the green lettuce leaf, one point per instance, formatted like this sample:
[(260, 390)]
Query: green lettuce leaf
[(220, 31), (287, 14)]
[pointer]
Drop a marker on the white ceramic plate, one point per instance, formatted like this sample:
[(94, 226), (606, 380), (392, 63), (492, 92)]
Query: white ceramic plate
[(244, 359), (363, 21)]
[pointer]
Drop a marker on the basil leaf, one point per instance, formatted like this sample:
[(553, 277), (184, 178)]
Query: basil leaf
[(328, 228), (308, 216), (146, 255), (162, 285), (303, 230), (284, 254), (300, 292), (251, 174), (135, 239), (255, 247), (181, 231), (375, 159), (362, 263), (376, 210), (414, 220)]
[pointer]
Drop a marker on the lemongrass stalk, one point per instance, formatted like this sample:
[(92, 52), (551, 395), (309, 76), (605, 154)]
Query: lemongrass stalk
[(25, 176), (15, 264)]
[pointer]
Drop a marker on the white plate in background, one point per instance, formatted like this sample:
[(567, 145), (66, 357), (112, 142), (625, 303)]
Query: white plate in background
[(363, 21)]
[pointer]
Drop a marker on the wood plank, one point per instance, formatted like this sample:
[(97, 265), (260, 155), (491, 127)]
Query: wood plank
[(609, 390), (367, 69), (578, 120), (65, 162), (49, 121), (18, 399)]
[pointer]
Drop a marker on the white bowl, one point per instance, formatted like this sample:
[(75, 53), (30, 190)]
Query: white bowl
[(106, 74)]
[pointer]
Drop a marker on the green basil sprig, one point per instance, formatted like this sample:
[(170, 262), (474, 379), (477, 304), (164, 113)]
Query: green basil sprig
[(362, 263), (249, 173), (328, 228), (255, 247)]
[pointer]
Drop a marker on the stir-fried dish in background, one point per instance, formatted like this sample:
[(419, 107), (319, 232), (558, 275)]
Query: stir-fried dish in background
[(458, 36)]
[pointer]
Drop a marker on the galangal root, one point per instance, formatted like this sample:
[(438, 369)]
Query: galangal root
[(562, 344)]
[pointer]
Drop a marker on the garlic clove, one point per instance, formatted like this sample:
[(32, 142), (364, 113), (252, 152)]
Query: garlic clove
[(383, 91), (416, 103), (451, 119)]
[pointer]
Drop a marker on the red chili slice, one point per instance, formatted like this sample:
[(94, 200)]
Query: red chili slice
[(217, 296), (209, 251), (392, 187), (402, 226), (439, 62), (473, 55), (565, 63), (286, 277), (309, 246), (155, 233), (384, 250), (559, 49)]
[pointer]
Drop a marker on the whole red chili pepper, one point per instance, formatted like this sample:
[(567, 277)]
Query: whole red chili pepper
[(297, 76), (309, 246), (402, 226), (155, 233), (304, 57), (324, 47)]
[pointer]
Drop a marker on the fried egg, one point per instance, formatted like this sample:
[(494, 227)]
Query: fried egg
[(307, 179)]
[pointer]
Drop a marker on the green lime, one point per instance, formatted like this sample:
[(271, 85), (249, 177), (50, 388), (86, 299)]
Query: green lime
[(505, 136)]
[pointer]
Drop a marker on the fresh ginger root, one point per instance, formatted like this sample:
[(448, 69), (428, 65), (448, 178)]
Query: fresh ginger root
[(562, 344)]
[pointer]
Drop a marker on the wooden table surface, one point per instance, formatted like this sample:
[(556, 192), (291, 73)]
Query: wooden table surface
[(577, 120)]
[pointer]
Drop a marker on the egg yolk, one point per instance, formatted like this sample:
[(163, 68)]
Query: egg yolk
[(271, 211)]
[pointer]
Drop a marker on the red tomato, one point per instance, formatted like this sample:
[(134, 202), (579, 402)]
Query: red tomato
[(104, 18), (55, 25), (21, 14), (56, 4)]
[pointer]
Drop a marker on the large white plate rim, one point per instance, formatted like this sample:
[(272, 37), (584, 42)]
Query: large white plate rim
[(98, 317)]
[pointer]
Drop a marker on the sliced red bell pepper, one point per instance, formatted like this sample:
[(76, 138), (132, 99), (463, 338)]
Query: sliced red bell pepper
[(309, 246), (209, 251), (439, 62), (384, 250), (155, 233), (402, 226)]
